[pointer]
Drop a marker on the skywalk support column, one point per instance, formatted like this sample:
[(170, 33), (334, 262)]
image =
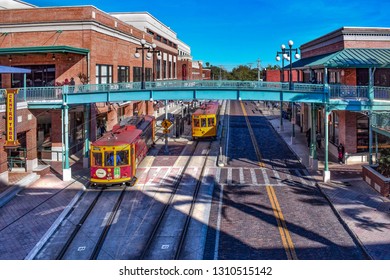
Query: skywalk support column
[(313, 150), (87, 125), (281, 112), (326, 175), (370, 138), (66, 170), (166, 150), (371, 97)]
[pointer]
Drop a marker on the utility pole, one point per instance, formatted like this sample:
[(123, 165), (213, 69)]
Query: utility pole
[(258, 69)]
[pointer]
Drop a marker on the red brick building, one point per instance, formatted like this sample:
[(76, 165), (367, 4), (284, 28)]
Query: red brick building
[(346, 55), (91, 46)]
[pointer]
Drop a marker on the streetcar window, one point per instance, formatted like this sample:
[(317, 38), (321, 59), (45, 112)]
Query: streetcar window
[(122, 158), (203, 121), (109, 156), (97, 159), (196, 122), (210, 122)]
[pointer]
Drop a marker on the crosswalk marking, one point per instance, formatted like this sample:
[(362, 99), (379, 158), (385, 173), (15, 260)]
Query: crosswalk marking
[(253, 177), (242, 181), (163, 175), (229, 176), (277, 175), (266, 180)]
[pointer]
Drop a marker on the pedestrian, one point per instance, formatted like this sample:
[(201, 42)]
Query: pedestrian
[(318, 139), (308, 137), (102, 129), (72, 84), (340, 150)]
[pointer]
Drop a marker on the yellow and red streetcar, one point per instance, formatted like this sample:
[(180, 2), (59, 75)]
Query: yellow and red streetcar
[(116, 155)]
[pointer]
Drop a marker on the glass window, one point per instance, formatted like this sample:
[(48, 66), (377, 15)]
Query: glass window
[(122, 158), (123, 74), (164, 70), (196, 122), (158, 69), (103, 74), (109, 158), (169, 69), (210, 122), (97, 159), (41, 75), (148, 74), (203, 122), (137, 74)]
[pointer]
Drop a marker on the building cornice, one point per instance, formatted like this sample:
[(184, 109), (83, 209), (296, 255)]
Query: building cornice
[(68, 26), (348, 34)]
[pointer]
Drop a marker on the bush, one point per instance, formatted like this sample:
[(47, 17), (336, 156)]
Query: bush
[(384, 163)]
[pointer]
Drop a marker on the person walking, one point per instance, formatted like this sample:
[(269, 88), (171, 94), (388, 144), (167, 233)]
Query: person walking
[(340, 150), (318, 139), (308, 137)]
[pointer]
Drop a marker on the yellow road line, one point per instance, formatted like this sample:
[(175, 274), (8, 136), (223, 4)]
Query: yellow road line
[(283, 231), (253, 138)]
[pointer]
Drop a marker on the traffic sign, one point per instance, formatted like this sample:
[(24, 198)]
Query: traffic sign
[(166, 131), (166, 123)]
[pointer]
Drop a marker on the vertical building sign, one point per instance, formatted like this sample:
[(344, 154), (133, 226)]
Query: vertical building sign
[(11, 141)]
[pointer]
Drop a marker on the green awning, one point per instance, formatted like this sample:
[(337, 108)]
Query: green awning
[(43, 49), (347, 58)]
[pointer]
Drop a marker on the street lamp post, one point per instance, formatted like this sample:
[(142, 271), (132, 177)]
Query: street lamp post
[(149, 54), (297, 56), (284, 56), (287, 54)]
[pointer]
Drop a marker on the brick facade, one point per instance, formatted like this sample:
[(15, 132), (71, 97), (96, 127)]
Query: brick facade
[(26, 124), (275, 75), (110, 41)]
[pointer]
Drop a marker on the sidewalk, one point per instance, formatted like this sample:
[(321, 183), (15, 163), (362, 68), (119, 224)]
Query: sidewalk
[(364, 212)]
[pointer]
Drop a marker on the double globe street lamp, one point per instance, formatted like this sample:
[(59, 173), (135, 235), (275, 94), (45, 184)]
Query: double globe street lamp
[(151, 51), (287, 55)]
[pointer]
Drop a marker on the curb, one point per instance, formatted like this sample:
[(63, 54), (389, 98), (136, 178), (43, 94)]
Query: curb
[(344, 224), (37, 248), (7, 195)]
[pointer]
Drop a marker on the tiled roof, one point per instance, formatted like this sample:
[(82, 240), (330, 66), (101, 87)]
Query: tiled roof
[(347, 58)]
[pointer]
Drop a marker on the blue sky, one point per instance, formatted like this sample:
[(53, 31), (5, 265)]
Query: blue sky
[(235, 32)]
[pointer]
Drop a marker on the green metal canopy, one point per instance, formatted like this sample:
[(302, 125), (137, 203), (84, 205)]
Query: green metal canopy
[(347, 58), (43, 49)]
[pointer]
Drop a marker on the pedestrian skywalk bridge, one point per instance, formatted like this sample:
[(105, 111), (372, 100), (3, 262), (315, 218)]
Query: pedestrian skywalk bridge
[(340, 97)]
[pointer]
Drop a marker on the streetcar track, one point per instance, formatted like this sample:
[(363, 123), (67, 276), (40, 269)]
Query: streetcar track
[(80, 222), (107, 226), (69, 241), (168, 205)]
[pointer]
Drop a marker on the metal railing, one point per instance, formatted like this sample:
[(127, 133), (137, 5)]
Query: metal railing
[(55, 93), (348, 92), (302, 87), (382, 93)]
